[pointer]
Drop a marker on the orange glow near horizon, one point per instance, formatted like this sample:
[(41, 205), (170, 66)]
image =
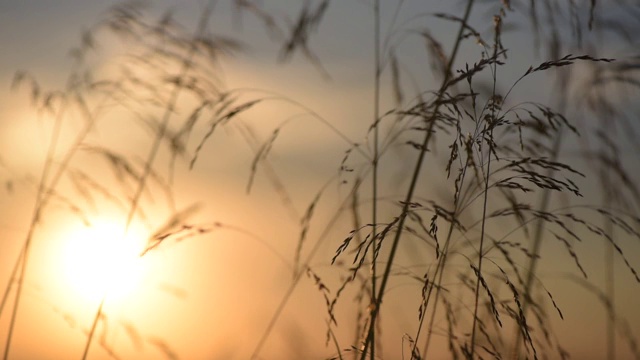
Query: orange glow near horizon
[(99, 259)]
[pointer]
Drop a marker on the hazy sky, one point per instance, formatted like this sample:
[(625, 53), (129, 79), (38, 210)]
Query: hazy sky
[(211, 297)]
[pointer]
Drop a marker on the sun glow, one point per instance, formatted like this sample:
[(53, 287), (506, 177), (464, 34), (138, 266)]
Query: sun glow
[(99, 259)]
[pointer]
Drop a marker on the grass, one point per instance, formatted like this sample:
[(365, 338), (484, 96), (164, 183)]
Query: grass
[(459, 191)]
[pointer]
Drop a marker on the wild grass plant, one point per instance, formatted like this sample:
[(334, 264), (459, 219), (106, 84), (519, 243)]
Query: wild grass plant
[(443, 211)]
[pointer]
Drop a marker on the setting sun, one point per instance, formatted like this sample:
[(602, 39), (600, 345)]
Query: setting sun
[(99, 259)]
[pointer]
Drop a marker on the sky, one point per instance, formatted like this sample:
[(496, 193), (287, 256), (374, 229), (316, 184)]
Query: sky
[(211, 296)]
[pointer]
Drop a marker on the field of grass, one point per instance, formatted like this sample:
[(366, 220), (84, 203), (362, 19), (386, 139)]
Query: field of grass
[(324, 179)]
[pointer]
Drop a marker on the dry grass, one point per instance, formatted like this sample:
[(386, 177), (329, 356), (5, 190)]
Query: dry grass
[(500, 165)]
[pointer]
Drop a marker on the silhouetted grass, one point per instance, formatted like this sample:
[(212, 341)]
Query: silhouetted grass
[(488, 181)]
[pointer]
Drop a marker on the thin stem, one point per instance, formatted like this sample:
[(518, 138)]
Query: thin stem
[(358, 237), (610, 291), (376, 118), (480, 254), (609, 270), (94, 325), (492, 118), (414, 180), (12, 278), (24, 254)]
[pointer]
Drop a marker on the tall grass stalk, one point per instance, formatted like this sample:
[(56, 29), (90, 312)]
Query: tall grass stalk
[(376, 158), (489, 126), (412, 186), (610, 282)]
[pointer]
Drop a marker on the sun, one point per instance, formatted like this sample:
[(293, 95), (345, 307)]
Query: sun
[(101, 259)]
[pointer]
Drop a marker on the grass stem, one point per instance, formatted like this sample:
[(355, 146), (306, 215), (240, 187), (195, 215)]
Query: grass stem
[(412, 186)]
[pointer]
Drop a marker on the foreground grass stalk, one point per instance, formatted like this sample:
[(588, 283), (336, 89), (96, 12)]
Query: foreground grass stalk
[(164, 124), (480, 257), (412, 185), (376, 155), (610, 291), (490, 125), (24, 253), (609, 270), (482, 236), (12, 278)]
